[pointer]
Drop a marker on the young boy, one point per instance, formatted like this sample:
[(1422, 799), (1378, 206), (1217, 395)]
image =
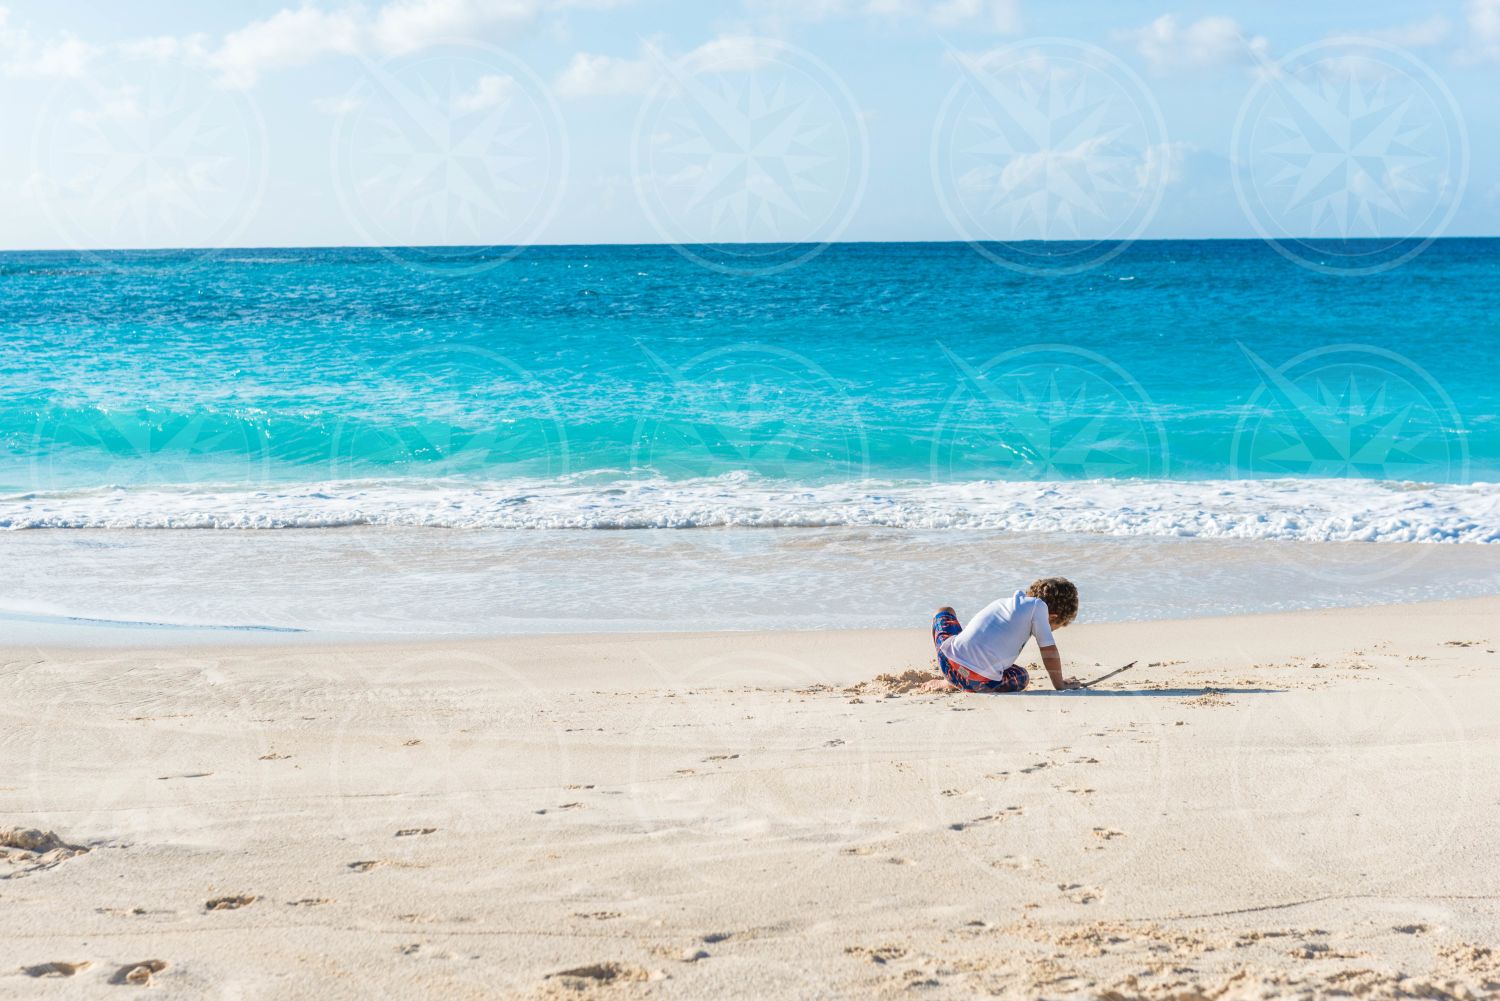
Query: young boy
[(981, 657)]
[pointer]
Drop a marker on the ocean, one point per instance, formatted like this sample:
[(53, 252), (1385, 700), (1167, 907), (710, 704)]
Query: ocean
[(878, 397)]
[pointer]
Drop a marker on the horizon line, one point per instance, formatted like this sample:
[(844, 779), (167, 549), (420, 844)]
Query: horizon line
[(762, 243)]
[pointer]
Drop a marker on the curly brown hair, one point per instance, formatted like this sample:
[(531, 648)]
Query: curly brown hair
[(1060, 596)]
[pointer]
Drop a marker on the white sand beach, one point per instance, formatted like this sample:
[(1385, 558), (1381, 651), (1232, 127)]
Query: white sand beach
[(1289, 805)]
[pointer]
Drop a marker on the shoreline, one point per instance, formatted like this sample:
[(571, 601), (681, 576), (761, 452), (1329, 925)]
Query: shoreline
[(176, 639), (311, 643), (248, 587)]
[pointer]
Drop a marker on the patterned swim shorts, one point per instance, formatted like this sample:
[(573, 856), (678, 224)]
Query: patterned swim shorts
[(944, 624)]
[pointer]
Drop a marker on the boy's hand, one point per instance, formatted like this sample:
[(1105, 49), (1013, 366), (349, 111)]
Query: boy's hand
[(1052, 661)]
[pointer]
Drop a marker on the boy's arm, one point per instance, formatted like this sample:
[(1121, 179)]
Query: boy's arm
[(1052, 661)]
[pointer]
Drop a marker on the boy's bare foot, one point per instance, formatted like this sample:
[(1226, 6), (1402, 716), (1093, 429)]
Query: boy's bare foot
[(935, 685)]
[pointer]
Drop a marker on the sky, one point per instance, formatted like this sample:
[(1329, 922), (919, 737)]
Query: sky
[(167, 123)]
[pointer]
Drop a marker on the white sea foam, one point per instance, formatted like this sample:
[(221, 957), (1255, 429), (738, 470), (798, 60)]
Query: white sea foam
[(1285, 509)]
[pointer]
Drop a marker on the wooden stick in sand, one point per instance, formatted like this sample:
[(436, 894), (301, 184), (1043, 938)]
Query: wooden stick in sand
[(1111, 674)]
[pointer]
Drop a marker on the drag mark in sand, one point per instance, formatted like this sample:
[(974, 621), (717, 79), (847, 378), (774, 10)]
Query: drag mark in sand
[(229, 903), (56, 968)]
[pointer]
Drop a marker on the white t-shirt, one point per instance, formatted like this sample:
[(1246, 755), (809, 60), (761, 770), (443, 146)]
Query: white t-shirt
[(994, 638)]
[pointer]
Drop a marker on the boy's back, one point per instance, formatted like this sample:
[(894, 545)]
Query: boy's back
[(994, 638)]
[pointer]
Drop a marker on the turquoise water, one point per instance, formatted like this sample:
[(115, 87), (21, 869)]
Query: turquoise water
[(877, 384)]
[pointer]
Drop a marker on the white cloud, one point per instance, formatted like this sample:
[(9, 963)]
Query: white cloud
[(337, 105), (120, 107), (1484, 30), (589, 75), (490, 91), (287, 38), (1163, 163), (163, 48), (1209, 42), (22, 54), (295, 37), (1427, 32), (731, 53), (1002, 16), (408, 25)]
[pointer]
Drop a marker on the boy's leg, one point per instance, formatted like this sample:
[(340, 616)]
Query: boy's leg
[(1015, 679), (944, 624)]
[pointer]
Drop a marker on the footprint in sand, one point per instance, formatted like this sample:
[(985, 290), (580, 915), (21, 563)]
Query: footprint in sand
[(415, 832), (1080, 894), (597, 915), (1320, 950), (565, 806), (603, 973), (35, 850), (139, 974), (721, 757), (56, 968), (990, 818), (1108, 833), (880, 955), (310, 902), (228, 903), (367, 865)]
